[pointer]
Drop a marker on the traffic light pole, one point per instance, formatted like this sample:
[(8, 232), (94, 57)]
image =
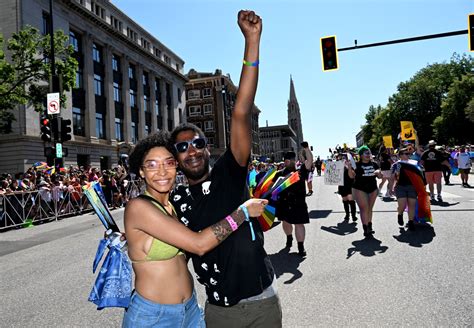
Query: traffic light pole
[(418, 38)]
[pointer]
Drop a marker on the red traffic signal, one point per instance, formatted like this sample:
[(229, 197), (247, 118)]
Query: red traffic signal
[(329, 53), (45, 129)]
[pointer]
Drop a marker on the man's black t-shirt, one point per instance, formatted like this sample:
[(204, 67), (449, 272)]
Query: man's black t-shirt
[(432, 159), (238, 268)]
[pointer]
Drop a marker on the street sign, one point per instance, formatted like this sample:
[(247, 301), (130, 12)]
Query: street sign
[(59, 150), (53, 103)]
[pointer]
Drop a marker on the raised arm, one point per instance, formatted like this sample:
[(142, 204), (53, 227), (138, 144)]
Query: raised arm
[(241, 135), (142, 215)]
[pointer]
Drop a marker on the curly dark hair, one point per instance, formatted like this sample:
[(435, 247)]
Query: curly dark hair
[(158, 139), (184, 127)]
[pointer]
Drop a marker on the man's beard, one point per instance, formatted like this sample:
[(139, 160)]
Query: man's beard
[(200, 173)]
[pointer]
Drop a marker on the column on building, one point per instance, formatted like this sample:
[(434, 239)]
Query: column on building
[(127, 115), (163, 105), (109, 93), (89, 89), (219, 128), (141, 102), (174, 104), (151, 81)]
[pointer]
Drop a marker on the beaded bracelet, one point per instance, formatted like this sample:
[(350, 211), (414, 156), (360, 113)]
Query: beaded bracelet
[(248, 63)]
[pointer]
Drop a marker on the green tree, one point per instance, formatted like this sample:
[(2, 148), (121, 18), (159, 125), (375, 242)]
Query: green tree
[(24, 78), (451, 126)]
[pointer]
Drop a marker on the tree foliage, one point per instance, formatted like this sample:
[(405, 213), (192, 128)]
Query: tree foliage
[(437, 99), (25, 76)]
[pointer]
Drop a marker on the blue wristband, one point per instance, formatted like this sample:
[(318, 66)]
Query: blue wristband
[(246, 213)]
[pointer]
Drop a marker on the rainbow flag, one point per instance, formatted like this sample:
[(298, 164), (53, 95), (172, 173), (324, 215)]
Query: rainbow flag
[(289, 180), (267, 218), (414, 173), (264, 184), (96, 197)]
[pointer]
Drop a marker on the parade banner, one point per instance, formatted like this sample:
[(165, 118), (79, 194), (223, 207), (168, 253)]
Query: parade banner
[(387, 141), (408, 131), (334, 173)]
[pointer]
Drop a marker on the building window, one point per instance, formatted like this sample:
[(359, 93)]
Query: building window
[(117, 92), (133, 98), (147, 130), (194, 111), (99, 126), (78, 121), (209, 126), (119, 129), (177, 67), (96, 53), (46, 27), (157, 107), (145, 103), (134, 132), (194, 94), (145, 79), (210, 141), (115, 63), (157, 52), (79, 79), (132, 34), (206, 92), (74, 41), (167, 59), (98, 85), (131, 71), (207, 109), (116, 24), (179, 96)]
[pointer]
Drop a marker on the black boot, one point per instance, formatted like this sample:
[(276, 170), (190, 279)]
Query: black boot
[(366, 231), (400, 219), (411, 225), (352, 203), (346, 208), (289, 241), (369, 228), (301, 250)]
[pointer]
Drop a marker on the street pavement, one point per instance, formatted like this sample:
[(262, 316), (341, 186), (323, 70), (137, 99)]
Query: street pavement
[(399, 279)]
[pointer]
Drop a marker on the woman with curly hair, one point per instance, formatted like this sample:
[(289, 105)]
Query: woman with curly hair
[(164, 293)]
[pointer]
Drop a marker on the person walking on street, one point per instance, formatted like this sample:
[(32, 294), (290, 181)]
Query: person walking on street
[(346, 192), (364, 188), (385, 165), (318, 164), (238, 276), (432, 161), (306, 160), (291, 206), (463, 161)]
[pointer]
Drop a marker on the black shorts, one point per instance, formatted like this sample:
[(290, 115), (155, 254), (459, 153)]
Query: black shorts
[(344, 190)]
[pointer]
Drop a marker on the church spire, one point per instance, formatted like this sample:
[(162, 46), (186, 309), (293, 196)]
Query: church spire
[(292, 91), (294, 116)]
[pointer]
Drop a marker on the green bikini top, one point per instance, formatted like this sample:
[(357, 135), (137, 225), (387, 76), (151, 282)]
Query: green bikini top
[(159, 250)]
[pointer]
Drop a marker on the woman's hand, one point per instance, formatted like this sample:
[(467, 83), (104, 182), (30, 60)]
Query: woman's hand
[(255, 206)]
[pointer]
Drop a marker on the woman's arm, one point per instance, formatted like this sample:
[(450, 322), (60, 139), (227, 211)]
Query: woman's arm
[(142, 215)]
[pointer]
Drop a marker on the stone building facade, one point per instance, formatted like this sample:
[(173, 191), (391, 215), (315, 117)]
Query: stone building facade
[(128, 84), (276, 140)]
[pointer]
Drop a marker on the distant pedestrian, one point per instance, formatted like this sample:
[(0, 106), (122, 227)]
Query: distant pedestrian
[(346, 191), (306, 160), (318, 164), (432, 161), (463, 161)]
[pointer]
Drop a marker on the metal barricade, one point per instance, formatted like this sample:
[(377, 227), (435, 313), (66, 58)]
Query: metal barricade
[(21, 209)]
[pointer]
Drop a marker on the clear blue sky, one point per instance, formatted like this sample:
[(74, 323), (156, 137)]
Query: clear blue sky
[(333, 104)]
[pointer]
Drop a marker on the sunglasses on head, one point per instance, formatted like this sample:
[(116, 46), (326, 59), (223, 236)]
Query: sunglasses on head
[(198, 143)]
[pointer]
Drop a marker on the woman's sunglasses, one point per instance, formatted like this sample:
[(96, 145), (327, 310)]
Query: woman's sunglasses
[(198, 143)]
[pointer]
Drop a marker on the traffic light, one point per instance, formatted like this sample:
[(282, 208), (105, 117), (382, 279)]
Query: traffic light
[(470, 31), (46, 129), (329, 53), (66, 130)]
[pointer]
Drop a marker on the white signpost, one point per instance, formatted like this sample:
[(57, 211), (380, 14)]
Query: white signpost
[(53, 103)]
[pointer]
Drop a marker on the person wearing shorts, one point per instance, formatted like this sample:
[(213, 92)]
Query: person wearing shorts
[(463, 162), (385, 165), (404, 190), (346, 192), (432, 160)]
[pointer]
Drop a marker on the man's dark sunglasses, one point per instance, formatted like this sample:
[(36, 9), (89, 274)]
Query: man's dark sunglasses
[(198, 143)]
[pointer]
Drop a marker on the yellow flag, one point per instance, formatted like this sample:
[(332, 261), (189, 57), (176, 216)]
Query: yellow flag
[(408, 132), (387, 141)]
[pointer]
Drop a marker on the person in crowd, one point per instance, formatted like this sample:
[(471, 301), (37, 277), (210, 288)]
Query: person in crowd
[(164, 293), (446, 151), (364, 188), (262, 170), (404, 189), (346, 190), (463, 162), (318, 165), (306, 159), (385, 165), (432, 161), (241, 292), (291, 206)]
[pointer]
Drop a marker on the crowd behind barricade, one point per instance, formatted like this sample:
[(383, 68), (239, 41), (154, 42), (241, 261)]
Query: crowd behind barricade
[(40, 193)]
